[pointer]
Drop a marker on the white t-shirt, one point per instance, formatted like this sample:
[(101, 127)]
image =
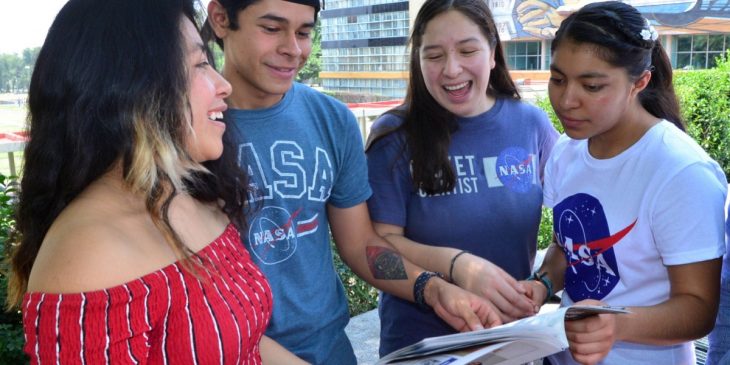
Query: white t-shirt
[(622, 220)]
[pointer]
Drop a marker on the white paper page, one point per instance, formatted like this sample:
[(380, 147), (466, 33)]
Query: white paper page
[(546, 329), (516, 352)]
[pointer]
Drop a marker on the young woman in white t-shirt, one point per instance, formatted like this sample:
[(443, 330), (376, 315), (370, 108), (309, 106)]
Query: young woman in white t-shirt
[(637, 204)]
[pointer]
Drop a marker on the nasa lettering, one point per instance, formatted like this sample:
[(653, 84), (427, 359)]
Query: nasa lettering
[(274, 232)]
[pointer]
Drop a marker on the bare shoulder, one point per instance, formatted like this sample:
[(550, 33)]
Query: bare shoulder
[(92, 245)]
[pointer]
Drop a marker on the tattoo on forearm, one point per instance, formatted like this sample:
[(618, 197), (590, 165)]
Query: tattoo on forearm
[(385, 264)]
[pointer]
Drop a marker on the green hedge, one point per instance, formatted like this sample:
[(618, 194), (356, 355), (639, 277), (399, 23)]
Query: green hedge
[(11, 329), (704, 96), (361, 296)]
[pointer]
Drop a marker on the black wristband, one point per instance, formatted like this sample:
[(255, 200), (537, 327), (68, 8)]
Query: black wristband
[(420, 286), (545, 280), (451, 266)]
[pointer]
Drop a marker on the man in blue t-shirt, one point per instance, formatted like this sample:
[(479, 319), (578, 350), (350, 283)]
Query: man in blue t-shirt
[(304, 154)]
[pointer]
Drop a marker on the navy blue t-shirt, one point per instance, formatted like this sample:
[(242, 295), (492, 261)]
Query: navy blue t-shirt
[(493, 212)]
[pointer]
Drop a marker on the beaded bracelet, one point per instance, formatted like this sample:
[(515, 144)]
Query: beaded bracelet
[(451, 267), (545, 280), (420, 286)]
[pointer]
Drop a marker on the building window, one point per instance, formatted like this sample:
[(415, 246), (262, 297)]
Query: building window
[(365, 59), (343, 4), (523, 55), (698, 51), (392, 88), (365, 26)]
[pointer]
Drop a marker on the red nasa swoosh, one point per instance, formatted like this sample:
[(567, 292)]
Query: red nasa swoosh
[(603, 244)]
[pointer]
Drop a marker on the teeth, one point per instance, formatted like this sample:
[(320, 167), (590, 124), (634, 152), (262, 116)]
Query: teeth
[(456, 87), (215, 115)]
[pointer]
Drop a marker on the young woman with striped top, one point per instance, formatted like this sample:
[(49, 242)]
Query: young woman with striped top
[(128, 219)]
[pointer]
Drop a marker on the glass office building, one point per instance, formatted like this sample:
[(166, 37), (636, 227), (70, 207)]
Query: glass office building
[(364, 41), (364, 47)]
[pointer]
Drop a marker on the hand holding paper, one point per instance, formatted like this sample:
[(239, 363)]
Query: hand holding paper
[(514, 343), (591, 338)]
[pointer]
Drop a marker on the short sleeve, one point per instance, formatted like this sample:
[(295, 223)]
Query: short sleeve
[(727, 219), (688, 216), (351, 184), (549, 195), (548, 137), (390, 180)]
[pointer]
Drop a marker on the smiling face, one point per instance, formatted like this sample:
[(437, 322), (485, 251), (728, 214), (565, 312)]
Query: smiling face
[(592, 98), (207, 91), (456, 60), (263, 56)]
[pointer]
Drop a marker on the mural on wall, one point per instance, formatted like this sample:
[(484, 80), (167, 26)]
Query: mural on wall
[(532, 19), (692, 12)]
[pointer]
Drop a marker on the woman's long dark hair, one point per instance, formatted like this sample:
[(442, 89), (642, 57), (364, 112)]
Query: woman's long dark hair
[(428, 126), (110, 86), (623, 38)]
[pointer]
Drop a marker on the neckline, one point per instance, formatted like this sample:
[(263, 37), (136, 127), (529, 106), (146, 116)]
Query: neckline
[(204, 252), (266, 114), (623, 155), (479, 119)]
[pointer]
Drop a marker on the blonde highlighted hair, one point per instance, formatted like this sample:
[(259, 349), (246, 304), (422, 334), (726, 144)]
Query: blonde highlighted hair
[(92, 106)]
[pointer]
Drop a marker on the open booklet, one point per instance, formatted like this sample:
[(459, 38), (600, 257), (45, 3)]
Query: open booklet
[(516, 343)]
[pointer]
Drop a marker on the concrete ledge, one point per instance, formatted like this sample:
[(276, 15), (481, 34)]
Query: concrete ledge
[(364, 333)]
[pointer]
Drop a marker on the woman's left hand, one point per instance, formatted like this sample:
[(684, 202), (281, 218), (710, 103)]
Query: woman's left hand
[(461, 309), (507, 295)]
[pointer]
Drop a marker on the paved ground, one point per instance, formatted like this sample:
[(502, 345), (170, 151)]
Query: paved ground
[(364, 333)]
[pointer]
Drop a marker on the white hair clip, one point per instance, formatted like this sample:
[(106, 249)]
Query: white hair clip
[(649, 33)]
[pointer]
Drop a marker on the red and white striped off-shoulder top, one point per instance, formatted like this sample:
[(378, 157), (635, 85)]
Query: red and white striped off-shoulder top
[(165, 317)]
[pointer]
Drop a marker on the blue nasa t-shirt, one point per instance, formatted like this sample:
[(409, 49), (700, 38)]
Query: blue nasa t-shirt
[(493, 212), (302, 154)]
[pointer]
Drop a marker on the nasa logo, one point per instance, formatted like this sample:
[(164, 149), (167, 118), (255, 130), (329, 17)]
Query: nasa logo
[(516, 169), (582, 229), (273, 234)]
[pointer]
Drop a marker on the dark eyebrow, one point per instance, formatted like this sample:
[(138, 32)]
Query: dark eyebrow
[(463, 41), (282, 20), (587, 75)]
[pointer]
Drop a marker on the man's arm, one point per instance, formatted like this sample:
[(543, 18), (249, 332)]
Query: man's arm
[(469, 272), (376, 261)]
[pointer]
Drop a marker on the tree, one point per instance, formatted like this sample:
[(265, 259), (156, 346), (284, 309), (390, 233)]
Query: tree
[(310, 71), (15, 70)]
